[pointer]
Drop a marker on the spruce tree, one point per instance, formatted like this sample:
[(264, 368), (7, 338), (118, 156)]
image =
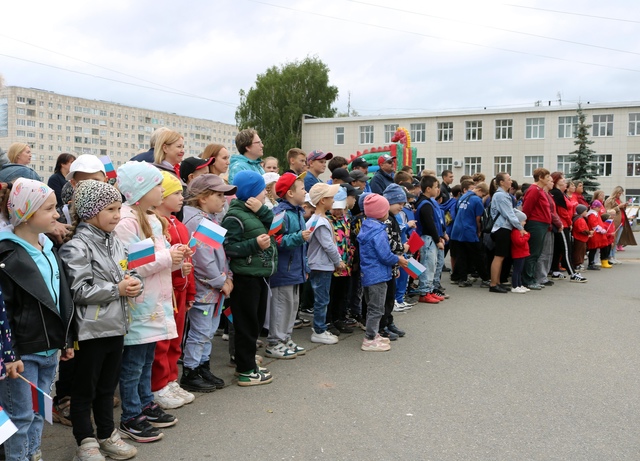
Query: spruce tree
[(584, 169)]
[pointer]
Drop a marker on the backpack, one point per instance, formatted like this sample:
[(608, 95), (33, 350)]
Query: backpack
[(487, 221)]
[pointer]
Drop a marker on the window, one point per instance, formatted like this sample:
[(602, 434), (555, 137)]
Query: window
[(473, 130), (603, 125), (603, 163), (535, 128), (445, 131), (421, 164), (21, 122), (502, 164), (20, 111), (366, 134), (564, 164), (531, 162), (443, 163), (634, 124), (388, 132), (21, 133), (472, 165), (418, 132), (504, 129), (567, 126), (633, 164)]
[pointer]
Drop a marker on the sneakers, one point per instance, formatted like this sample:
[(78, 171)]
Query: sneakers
[(280, 351), (534, 286), (88, 450), (548, 283), (437, 296), (205, 371), (157, 417), (254, 378), (140, 430), (614, 261), (401, 307), (299, 323), (295, 348), (411, 300), (519, 290), (307, 310), (374, 345), (438, 292), (578, 278), (116, 448), (485, 284), (429, 299), (394, 329), (225, 336), (188, 397), (192, 381), (167, 400), (558, 276), (342, 327), (391, 336), (61, 410), (592, 267), (323, 338), (465, 284)]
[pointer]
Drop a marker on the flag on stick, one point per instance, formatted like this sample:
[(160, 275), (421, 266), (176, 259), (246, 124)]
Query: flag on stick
[(313, 222), (209, 233), (141, 253), (415, 268), (219, 305), (7, 428), (41, 401), (276, 225), (108, 167), (228, 314)]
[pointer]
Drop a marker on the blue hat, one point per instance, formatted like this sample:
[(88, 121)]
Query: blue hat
[(394, 193), (249, 184), (136, 179), (361, 199)]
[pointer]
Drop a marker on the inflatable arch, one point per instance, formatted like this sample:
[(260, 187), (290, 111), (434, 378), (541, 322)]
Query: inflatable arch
[(400, 149)]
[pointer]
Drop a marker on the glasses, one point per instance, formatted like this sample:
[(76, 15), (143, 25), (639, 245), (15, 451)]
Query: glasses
[(256, 142)]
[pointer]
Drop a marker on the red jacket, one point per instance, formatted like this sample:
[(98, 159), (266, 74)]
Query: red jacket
[(580, 229), (598, 239), (535, 205), (519, 244), (179, 234)]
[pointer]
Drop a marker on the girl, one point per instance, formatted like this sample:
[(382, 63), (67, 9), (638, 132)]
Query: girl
[(99, 287), (152, 313), (39, 308), (519, 251), (270, 165), (270, 180), (9, 366), (212, 278)]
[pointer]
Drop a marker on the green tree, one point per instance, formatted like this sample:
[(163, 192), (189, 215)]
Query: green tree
[(584, 169), (275, 106)]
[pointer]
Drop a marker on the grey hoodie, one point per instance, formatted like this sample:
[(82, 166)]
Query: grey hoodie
[(322, 254)]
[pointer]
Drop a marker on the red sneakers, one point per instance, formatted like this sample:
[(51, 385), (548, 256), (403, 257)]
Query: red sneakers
[(429, 298)]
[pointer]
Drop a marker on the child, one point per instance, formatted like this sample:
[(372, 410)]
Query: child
[(581, 234), (164, 372), (34, 286), (598, 240), (376, 263), (270, 180), (297, 160), (99, 287), (292, 269), (152, 317), (254, 258), (323, 259), (270, 165), (9, 366), (206, 197), (519, 251)]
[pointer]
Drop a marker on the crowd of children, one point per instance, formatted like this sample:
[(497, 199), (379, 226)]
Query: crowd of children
[(249, 252)]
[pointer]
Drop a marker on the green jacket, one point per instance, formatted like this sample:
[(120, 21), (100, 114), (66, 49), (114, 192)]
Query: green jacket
[(240, 244)]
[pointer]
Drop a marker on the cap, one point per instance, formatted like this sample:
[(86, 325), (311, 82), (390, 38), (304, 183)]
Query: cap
[(209, 181), (357, 175), (191, 164), (341, 174), (351, 191), (319, 155), (384, 158), (85, 163), (286, 181), (359, 163), (340, 199), (321, 190), (307, 199), (270, 177)]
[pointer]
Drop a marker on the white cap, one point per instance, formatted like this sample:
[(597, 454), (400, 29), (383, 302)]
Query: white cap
[(340, 199), (270, 177), (307, 198), (85, 163)]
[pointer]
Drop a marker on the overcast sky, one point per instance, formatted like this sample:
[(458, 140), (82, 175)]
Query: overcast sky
[(421, 56)]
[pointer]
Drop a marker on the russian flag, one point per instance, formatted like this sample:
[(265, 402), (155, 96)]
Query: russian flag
[(276, 225), (7, 428), (42, 403), (108, 167), (141, 253), (415, 268), (313, 222), (228, 314), (210, 234), (219, 305)]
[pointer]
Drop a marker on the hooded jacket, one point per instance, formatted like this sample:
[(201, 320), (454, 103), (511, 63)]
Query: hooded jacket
[(376, 258), (292, 249), (239, 162), (380, 182)]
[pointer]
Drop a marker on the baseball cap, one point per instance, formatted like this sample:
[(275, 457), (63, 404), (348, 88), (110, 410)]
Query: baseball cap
[(351, 191), (209, 181), (341, 174), (384, 158), (85, 163), (360, 162), (270, 177), (357, 175), (319, 155), (322, 190), (191, 164), (340, 199), (286, 181)]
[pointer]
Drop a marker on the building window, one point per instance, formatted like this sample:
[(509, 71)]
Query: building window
[(473, 130), (634, 124), (418, 132), (603, 162), (535, 128), (443, 163), (564, 164), (531, 162), (421, 164), (633, 164), (502, 164), (567, 126), (504, 129), (603, 125), (366, 134), (445, 131), (472, 165), (388, 132)]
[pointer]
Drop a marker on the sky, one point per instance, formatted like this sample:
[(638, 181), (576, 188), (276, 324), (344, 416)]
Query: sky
[(193, 58)]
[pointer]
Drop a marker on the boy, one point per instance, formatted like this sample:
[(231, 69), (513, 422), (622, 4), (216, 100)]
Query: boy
[(297, 161), (292, 269), (317, 162), (323, 259), (581, 233)]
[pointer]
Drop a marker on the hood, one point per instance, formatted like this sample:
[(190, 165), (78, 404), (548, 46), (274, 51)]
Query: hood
[(370, 229), (47, 245), (239, 158), (283, 205), (189, 212)]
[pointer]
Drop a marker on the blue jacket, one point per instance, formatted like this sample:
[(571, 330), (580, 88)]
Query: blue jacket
[(147, 156), (376, 258), (292, 249), (239, 162), (380, 181)]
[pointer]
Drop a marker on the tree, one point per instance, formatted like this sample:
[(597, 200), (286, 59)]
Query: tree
[(281, 96), (584, 169)]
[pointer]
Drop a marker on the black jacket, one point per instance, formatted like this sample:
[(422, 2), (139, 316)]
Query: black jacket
[(36, 324)]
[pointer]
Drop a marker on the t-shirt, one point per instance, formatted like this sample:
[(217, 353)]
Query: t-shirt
[(465, 228)]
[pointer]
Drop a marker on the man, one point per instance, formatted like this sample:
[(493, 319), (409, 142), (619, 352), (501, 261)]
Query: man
[(384, 176), (445, 187), (251, 149), (148, 156), (297, 161), (360, 164), (317, 164)]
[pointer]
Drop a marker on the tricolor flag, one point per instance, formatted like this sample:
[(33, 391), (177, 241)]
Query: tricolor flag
[(415, 242), (7, 428), (42, 403), (108, 167), (219, 306), (228, 314), (141, 253), (276, 225), (415, 268), (209, 233), (313, 222)]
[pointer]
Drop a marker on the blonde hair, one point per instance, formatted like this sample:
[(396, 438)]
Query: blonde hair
[(145, 224), (155, 134), (271, 187), (267, 159), (164, 138), (194, 200), (617, 190), (16, 149), (482, 187)]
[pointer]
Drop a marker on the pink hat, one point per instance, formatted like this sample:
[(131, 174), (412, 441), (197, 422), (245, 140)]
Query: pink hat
[(596, 204), (376, 206)]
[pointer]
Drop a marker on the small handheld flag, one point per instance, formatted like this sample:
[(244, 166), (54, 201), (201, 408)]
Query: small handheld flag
[(210, 234), (108, 167), (415, 242), (313, 222), (219, 305), (415, 268), (141, 253), (276, 225), (7, 428), (41, 401), (228, 314)]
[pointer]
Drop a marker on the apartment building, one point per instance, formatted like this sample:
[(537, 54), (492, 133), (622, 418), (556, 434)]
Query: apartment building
[(53, 123), (490, 141)]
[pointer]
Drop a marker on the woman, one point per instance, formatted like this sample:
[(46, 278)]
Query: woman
[(221, 156), (617, 209), (169, 151), (504, 221), (578, 195), (19, 157), (19, 153), (58, 179)]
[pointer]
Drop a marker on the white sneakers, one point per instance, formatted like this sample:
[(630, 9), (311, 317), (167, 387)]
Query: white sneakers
[(88, 450), (280, 351), (375, 345), (519, 290), (323, 338), (176, 390), (172, 396), (116, 448), (401, 307)]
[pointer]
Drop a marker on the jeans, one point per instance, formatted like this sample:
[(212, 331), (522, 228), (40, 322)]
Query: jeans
[(135, 379), (374, 296), (321, 284), (15, 399), (428, 258), (401, 285), (439, 266), (197, 348)]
